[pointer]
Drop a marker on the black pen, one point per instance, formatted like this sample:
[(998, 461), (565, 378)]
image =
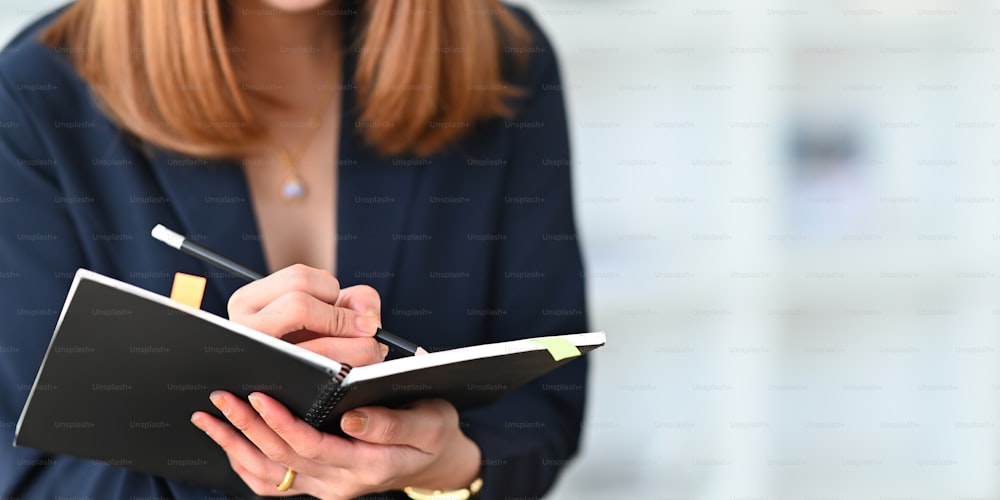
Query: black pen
[(181, 243)]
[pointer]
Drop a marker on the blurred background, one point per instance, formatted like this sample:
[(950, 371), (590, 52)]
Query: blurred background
[(789, 212)]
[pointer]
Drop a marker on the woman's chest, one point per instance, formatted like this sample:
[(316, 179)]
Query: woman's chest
[(296, 229)]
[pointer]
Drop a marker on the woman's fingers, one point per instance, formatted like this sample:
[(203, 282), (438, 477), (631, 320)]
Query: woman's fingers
[(261, 474), (297, 310), (303, 439), (353, 351), (254, 296), (390, 449), (361, 299), (247, 421), (421, 426), (303, 299)]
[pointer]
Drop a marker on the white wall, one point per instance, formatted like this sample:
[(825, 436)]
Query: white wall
[(774, 336), (830, 335)]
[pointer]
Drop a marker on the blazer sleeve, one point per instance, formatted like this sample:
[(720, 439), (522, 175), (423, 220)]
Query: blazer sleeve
[(40, 250), (37, 249), (528, 436)]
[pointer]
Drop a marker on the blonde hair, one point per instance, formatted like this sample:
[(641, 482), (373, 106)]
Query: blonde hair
[(162, 71)]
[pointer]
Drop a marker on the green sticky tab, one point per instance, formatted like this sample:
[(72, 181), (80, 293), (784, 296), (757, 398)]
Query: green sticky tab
[(559, 348)]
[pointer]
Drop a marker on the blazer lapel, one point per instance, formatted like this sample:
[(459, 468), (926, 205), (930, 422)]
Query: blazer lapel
[(374, 196), (212, 203), (374, 200)]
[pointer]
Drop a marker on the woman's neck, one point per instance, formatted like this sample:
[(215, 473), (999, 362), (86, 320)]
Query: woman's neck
[(279, 46)]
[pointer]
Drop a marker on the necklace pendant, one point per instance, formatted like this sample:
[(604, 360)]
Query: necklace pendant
[(293, 190)]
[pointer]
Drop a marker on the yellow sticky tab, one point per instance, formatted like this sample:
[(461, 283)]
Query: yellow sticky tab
[(559, 348), (188, 289)]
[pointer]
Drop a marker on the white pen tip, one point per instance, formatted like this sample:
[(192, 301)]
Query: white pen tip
[(420, 351), (167, 236)]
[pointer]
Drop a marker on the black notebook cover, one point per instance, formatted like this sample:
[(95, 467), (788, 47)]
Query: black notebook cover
[(127, 367)]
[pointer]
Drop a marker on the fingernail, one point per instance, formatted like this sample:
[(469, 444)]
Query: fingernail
[(197, 422), (366, 324), (354, 422), (373, 313), (220, 402), (257, 403)]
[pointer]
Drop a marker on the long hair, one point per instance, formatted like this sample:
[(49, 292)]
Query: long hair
[(162, 71)]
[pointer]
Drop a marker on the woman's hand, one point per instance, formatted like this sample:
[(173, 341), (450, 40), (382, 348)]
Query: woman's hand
[(420, 446), (306, 306)]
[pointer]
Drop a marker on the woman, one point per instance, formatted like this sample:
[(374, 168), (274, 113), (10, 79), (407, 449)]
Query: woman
[(416, 150)]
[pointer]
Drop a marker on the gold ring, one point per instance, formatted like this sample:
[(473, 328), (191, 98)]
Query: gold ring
[(287, 481)]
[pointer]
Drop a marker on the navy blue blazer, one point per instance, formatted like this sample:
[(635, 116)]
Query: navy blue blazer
[(474, 244)]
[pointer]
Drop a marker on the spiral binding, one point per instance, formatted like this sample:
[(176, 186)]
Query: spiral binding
[(328, 397)]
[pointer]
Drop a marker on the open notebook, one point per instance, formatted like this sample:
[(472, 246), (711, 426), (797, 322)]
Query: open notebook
[(126, 368)]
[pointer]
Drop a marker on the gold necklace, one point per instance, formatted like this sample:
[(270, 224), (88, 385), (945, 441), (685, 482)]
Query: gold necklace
[(294, 189)]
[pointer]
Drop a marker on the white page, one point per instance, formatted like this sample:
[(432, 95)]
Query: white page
[(451, 356)]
